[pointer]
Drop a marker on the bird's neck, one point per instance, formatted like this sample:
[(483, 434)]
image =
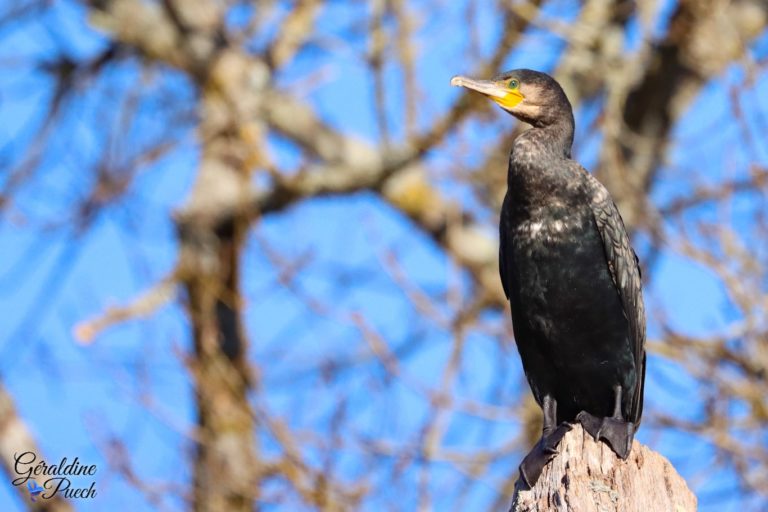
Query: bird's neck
[(537, 164), (548, 139), (557, 132)]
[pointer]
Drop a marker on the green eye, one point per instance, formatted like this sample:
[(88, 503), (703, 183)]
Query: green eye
[(514, 84)]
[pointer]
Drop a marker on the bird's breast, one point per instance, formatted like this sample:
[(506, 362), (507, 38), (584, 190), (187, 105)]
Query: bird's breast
[(552, 228)]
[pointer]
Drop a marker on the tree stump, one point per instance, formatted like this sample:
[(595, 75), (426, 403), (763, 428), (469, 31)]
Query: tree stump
[(587, 476)]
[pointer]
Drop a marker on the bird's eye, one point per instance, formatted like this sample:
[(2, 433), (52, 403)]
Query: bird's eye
[(514, 84)]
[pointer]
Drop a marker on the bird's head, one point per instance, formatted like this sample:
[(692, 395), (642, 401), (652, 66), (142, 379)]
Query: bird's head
[(531, 96)]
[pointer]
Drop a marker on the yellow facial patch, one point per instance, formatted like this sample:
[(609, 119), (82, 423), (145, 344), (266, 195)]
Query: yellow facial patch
[(509, 100)]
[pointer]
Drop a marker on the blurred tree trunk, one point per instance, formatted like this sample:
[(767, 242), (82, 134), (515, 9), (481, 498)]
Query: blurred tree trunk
[(225, 458), (587, 476), (643, 111), (212, 229), (16, 438)]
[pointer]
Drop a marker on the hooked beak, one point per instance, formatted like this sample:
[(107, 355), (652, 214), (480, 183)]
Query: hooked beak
[(497, 91)]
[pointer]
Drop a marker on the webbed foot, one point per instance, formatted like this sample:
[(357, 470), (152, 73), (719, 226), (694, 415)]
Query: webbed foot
[(544, 451), (617, 433)]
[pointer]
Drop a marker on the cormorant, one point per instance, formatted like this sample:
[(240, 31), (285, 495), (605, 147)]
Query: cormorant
[(570, 274)]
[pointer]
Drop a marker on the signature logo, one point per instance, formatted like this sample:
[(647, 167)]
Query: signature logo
[(64, 479)]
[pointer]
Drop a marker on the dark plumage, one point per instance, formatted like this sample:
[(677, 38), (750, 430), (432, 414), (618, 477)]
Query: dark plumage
[(570, 274)]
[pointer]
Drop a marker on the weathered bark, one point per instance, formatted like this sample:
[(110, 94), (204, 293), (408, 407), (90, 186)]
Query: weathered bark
[(587, 476)]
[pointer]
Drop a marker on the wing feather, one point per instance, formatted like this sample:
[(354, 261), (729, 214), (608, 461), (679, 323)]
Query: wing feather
[(503, 233), (625, 270)]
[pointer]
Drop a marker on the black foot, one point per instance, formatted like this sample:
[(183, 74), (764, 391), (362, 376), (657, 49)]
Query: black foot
[(544, 451), (618, 434)]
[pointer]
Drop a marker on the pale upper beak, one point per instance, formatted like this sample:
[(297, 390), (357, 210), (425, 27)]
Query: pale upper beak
[(487, 87), (498, 91)]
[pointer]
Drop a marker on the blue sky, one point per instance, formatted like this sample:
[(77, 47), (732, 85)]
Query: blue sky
[(131, 386)]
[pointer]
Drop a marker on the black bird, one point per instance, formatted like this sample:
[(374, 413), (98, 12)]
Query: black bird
[(570, 274)]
